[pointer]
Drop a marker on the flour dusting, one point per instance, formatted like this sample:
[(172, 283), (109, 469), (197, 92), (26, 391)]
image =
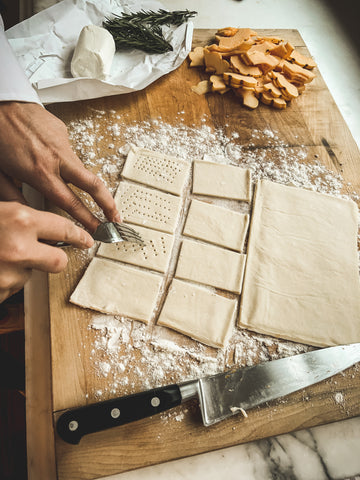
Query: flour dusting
[(132, 356)]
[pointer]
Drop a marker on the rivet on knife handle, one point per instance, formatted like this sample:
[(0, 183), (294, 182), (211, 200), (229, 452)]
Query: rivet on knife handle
[(74, 424)]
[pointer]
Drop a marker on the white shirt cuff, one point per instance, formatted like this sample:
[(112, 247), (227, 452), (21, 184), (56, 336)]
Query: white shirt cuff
[(14, 85)]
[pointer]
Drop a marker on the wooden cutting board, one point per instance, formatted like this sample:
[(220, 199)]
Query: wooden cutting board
[(312, 122)]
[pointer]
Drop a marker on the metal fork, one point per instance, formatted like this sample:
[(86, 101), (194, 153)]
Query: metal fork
[(112, 232)]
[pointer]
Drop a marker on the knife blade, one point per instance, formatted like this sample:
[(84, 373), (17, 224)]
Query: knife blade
[(220, 396)]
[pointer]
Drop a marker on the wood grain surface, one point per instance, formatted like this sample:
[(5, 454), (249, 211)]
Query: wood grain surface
[(312, 122)]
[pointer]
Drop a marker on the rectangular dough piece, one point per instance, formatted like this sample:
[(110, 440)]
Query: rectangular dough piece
[(220, 180), (215, 224), (156, 170), (198, 313), (111, 287), (154, 255), (301, 278), (148, 207), (211, 265)]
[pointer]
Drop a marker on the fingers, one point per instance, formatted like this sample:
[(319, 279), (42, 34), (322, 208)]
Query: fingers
[(8, 190), (46, 258), (79, 176), (52, 227), (21, 249), (35, 148), (62, 196)]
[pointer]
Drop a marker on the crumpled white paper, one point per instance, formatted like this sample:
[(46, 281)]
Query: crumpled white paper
[(44, 45)]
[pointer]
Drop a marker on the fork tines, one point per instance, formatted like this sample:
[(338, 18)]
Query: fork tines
[(129, 234)]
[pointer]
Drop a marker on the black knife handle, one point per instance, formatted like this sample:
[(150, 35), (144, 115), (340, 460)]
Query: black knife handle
[(75, 423)]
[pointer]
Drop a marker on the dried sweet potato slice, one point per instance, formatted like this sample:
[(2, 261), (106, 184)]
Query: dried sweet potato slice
[(248, 97), (197, 57), (283, 50), (300, 87), (227, 51), (230, 43), (288, 90), (302, 60), (275, 40), (279, 103), (260, 84), (272, 89), (214, 62), (218, 84), (202, 87), (268, 99), (260, 58), (226, 32), (263, 47), (240, 67), (297, 73), (235, 79), (279, 66)]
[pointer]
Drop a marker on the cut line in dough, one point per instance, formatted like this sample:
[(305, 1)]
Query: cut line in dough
[(111, 287), (211, 265), (154, 255), (147, 207), (198, 313), (301, 278), (156, 170), (217, 225), (221, 180)]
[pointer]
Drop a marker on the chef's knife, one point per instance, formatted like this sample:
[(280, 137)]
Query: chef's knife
[(220, 395)]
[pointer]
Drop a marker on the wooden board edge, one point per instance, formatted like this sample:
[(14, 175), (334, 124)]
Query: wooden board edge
[(40, 440)]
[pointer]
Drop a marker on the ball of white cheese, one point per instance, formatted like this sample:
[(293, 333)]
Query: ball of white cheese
[(94, 53)]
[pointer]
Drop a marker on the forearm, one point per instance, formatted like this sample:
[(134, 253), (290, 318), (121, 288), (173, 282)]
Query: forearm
[(14, 85)]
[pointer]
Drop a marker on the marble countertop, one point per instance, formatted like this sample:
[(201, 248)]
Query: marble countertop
[(329, 451), (325, 452), (321, 453)]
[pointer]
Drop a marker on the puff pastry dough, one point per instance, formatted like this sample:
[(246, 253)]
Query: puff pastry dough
[(156, 170), (215, 224), (220, 180), (155, 254), (211, 265), (111, 287), (302, 280), (147, 207), (198, 313)]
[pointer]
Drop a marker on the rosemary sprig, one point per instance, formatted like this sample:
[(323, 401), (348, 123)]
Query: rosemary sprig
[(142, 30), (140, 37), (161, 17)]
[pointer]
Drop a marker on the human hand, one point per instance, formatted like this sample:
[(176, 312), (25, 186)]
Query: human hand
[(35, 149), (21, 250)]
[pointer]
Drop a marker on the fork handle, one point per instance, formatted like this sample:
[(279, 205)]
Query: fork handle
[(62, 244), (57, 244)]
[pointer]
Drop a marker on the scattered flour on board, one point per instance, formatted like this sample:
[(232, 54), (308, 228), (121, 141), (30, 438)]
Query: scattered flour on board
[(133, 356), (339, 398)]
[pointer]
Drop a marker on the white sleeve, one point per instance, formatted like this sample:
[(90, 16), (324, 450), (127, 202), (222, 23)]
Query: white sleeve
[(14, 85)]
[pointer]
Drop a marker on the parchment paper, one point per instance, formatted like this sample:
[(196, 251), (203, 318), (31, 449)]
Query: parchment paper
[(44, 45)]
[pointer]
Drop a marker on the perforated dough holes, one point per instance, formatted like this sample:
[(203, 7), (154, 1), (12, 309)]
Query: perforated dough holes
[(154, 255), (156, 170), (147, 207)]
